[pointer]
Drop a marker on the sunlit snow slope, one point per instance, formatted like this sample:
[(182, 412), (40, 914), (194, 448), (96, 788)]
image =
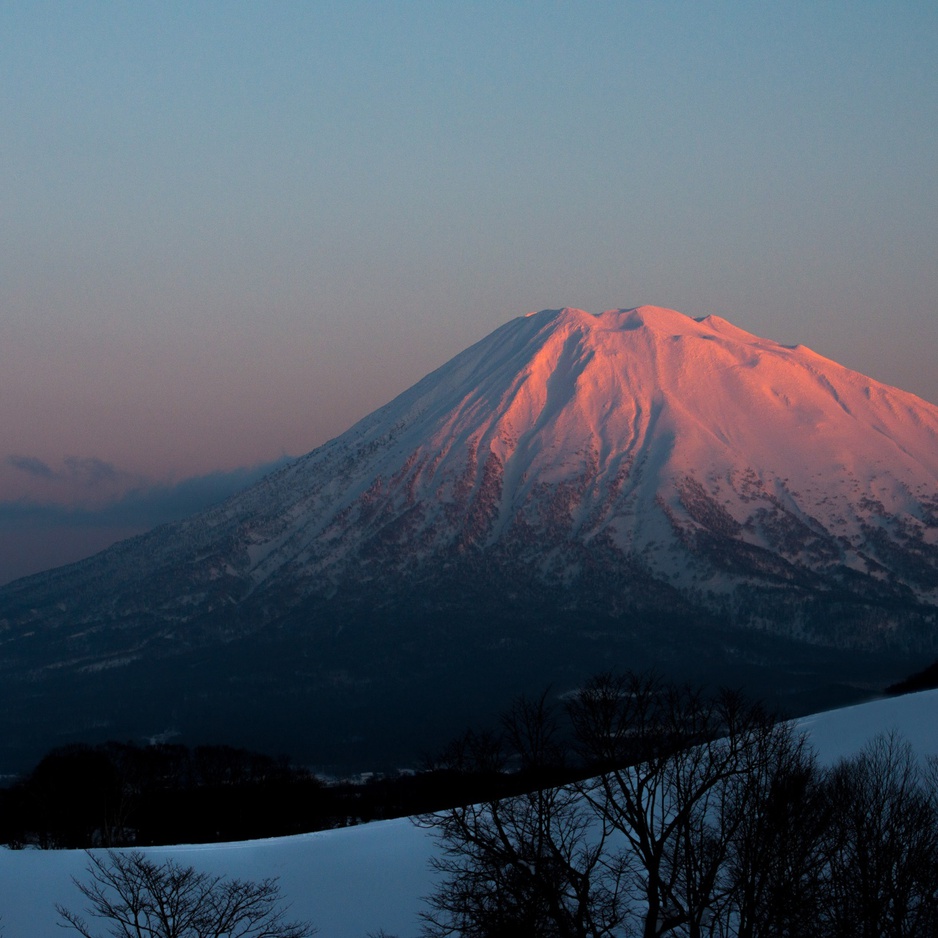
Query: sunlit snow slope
[(665, 438)]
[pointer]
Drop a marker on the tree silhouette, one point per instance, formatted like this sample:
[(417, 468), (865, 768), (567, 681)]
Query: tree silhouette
[(134, 897), (694, 816), (530, 865)]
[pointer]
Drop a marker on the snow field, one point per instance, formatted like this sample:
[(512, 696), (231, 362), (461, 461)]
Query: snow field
[(358, 880)]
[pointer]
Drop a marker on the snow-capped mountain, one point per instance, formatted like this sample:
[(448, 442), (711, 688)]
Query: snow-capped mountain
[(639, 468)]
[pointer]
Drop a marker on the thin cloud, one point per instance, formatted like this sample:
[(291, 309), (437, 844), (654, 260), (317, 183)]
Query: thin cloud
[(36, 522), (32, 466), (147, 505), (92, 471), (77, 472)]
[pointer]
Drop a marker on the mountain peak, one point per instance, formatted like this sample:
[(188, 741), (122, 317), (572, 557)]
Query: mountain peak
[(660, 320)]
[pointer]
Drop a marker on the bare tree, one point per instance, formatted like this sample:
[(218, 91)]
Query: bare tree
[(775, 867), (527, 866), (882, 844), (673, 765), (702, 817), (134, 897)]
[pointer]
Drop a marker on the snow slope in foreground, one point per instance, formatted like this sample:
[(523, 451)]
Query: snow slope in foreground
[(359, 880)]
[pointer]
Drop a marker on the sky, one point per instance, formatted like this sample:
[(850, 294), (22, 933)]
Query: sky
[(229, 230)]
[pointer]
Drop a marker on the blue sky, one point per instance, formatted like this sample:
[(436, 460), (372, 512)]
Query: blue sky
[(231, 229)]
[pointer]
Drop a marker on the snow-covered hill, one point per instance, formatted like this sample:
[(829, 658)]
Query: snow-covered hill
[(635, 481), (355, 881)]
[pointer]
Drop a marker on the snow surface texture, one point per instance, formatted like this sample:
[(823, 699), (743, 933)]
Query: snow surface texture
[(358, 880)]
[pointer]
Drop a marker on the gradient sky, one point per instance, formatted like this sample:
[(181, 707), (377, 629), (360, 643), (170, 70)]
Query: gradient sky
[(230, 229)]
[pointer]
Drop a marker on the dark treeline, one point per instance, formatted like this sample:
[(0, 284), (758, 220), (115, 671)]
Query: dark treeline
[(117, 794), (121, 794), (926, 679), (704, 817)]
